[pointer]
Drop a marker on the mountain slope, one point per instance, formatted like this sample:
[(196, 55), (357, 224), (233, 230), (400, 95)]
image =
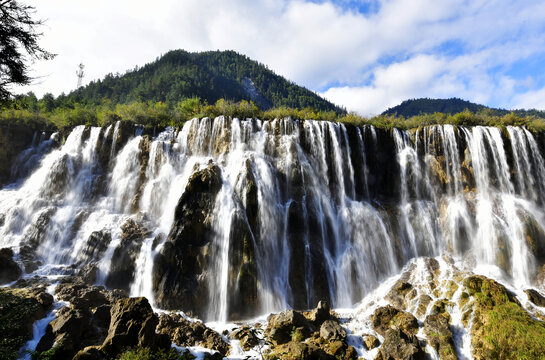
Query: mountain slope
[(415, 107), (209, 75)]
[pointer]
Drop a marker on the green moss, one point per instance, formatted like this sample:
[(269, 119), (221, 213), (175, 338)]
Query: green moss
[(511, 333), (17, 312), (148, 354)]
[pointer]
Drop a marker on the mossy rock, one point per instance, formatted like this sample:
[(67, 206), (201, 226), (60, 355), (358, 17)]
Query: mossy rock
[(501, 328), (19, 308), (388, 317)]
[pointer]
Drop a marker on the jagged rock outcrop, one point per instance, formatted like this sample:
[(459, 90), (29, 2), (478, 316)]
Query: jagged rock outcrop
[(179, 280), (399, 345), (133, 324), (307, 335), (96, 245), (388, 317), (122, 267), (9, 270), (191, 333), (439, 335)]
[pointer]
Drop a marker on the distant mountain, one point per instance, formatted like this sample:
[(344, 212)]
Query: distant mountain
[(209, 75), (415, 107)]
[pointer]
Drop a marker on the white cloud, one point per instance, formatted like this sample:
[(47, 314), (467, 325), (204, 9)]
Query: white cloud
[(380, 58)]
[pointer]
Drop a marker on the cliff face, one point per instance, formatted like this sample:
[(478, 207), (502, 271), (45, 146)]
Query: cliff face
[(13, 140), (229, 218)]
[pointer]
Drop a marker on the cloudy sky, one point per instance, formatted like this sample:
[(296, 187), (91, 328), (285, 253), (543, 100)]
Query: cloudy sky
[(366, 55)]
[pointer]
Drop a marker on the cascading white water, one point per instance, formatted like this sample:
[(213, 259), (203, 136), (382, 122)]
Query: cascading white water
[(316, 232)]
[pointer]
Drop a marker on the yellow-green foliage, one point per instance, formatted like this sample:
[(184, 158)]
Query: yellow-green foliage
[(148, 354), (153, 114)]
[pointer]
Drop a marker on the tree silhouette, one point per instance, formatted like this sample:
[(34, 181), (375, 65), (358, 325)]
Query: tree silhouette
[(18, 44)]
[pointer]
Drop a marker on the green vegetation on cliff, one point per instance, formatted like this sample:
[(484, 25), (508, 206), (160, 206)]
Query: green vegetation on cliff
[(34, 113), (501, 328)]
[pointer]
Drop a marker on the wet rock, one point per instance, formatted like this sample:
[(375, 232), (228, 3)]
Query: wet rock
[(9, 270), (96, 245), (88, 273), (321, 313), (35, 235), (68, 333), (27, 254), (19, 309), (332, 331), (401, 293), (90, 353), (296, 239), (423, 302), (247, 337), (388, 317), (281, 325), (398, 345), (179, 273), (242, 282), (124, 258), (194, 333), (440, 337), (14, 138), (81, 295), (297, 350), (535, 297), (133, 324), (535, 238), (370, 342)]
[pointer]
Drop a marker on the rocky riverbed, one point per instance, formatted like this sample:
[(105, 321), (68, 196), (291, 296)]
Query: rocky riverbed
[(433, 309)]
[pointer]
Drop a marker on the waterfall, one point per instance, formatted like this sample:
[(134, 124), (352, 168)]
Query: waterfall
[(305, 210)]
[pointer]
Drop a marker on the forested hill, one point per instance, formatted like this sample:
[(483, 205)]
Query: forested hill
[(414, 107), (208, 75)]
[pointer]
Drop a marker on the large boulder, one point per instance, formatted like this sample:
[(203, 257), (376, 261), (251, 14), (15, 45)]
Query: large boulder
[(332, 331), (133, 324), (280, 326), (9, 270), (501, 328), (179, 273), (398, 345), (191, 333), (247, 337), (388, 317), (124, 258)]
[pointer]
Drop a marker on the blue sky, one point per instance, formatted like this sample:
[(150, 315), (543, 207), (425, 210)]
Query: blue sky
[(364, 55)]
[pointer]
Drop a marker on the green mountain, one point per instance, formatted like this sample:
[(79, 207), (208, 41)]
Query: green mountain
[(210, 75), (415, 107)]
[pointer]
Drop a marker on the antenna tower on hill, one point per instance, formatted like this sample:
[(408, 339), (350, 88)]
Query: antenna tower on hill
[(80, 74)]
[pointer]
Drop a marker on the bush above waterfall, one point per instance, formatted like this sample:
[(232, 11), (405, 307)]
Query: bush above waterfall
[(159, 114)]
